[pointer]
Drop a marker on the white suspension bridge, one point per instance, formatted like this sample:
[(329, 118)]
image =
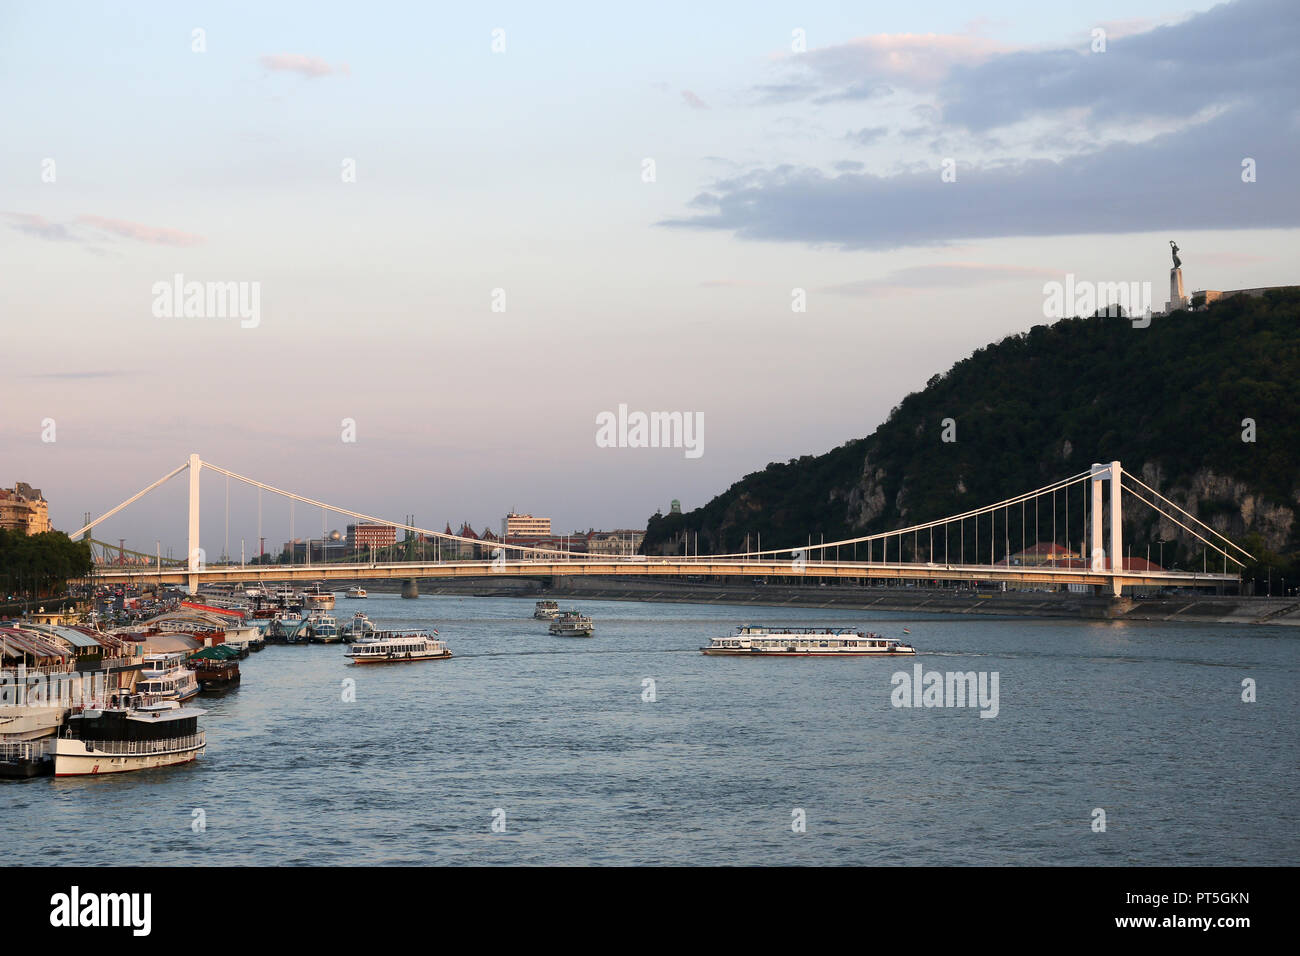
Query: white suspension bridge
[(962, 547)]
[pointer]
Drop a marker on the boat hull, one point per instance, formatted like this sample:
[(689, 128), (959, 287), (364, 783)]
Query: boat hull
[(749, 652), (400, 660), (72, 758), (20, 760), (26, 769)]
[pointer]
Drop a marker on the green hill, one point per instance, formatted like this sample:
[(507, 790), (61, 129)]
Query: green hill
[(1168, 401)]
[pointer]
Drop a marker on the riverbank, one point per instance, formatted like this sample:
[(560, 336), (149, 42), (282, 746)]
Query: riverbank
[(1203, 609)]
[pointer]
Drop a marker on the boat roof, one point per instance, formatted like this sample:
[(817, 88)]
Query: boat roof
[(145, 716), (803, 630), (25, 642), (73, 636), (388, 633)]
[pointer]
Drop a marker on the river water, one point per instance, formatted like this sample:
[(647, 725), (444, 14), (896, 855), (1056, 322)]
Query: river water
[(733, 761)]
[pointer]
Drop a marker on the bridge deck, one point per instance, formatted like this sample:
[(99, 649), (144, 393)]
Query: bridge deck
[(669, 567)]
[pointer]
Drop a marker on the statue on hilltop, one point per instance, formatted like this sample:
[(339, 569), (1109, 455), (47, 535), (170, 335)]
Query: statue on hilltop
[(1178, 263)]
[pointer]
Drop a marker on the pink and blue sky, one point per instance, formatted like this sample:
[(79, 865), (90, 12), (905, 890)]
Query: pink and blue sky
[(776, 168)]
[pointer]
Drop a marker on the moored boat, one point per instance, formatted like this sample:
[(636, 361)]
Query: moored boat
[(318, 599), (750, 640), (354, 593), (357, 628), (572, 624), (164, 677), (215, 668), (323, 628), (20, 759), (129, 737), (402, 645)]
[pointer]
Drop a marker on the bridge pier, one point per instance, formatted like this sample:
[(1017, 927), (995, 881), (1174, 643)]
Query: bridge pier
[(410, 588)]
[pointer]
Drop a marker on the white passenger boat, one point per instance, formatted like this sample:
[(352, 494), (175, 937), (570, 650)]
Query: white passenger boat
[(545, 610), (164, 677), (354, 593), (119, 739), (749, 640), (401, 645), (572, 624)]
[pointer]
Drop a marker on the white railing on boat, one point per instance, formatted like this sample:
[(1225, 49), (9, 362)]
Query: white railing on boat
[(25, 749), (146, 747)]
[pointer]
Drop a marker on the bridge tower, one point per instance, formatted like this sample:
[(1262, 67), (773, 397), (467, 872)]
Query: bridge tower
[(1097, 553), (196, 552)]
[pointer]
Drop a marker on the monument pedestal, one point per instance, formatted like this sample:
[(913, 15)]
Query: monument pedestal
[(1177, 300)]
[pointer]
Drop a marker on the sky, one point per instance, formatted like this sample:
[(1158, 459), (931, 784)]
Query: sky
[(473, 229)]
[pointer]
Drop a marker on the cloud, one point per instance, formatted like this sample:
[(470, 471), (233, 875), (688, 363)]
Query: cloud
[(78, 376), (867, 135), (1246, 51), (87, 229), (950, 275), (729, 284), (142, 233), (309, 66), (693, 101), (1183, 173), (872, 66), (1187, 180), (40, 227)]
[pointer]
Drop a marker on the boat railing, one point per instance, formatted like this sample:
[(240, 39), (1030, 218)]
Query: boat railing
[(13, 674), (25, 749), (146, 747)]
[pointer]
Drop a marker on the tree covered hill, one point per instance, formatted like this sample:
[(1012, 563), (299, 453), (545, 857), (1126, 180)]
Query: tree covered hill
[(1168, 401)]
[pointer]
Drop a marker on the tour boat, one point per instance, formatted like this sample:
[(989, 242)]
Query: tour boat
[(545, 610), (355, 592), (572, 624), (318, 599), (164, 678), (748, 640), (400, 645), (128, 737), (360, 627)]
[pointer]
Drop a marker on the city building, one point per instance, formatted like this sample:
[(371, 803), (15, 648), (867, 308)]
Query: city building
[(363, 537), (540, 547), (516, 524), (23, 508), (1204, 297), (621, 542), (313, 550)]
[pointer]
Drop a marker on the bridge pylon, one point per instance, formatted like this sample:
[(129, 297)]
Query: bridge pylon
[(1113, 473), (196, 561)]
